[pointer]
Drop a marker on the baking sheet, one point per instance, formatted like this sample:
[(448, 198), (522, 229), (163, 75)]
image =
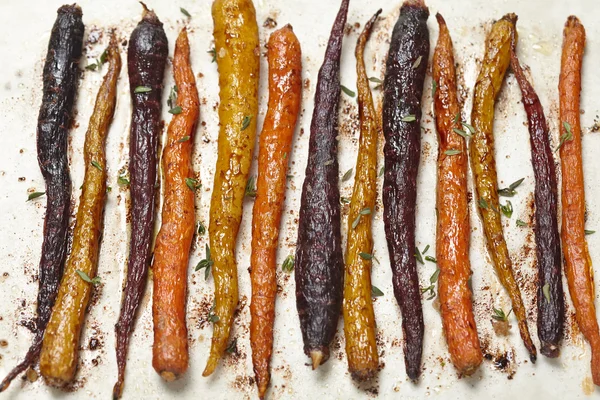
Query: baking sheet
[(25, 33)]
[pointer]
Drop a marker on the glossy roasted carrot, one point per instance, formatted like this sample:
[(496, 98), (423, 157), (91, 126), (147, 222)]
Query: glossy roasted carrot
[(578, 264), (550, 294), (453, 231), (483, 163), (60, 348), (357, 308), (172, 249), (237, 52), (285, 95)]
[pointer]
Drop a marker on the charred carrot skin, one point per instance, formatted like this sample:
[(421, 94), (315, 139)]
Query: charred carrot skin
[(319, 264), (403, 89), (359, 318), (146, 59), (551, 308), (60, 85), (237, 49), (578, 264), (172, 249), (59, 356), (453, 231), (483, 163), (285, 95)]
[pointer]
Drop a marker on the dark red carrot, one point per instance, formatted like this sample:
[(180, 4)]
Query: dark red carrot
[(550, 300), (319, 261), (403, 88), (146, 59), (60, 86)]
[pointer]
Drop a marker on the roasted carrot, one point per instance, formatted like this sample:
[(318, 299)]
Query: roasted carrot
[(58, 359), (483, 163), (550, 296), (146, 58), (172, 248), (359, 318), (453, 231), (285, 95), (578, 264), (54, 120), (406, 67), (319, 260), (237, 52)]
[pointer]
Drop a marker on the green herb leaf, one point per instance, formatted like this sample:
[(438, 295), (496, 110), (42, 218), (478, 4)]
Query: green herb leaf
[(409, 118), (433, 88), (376, 80), (183, 139), (207, 263), (483, 204), (587, 232), (185, 12), (35, 195), (430, 258), (568, 135), (452, 152), (347, 175), (546, 291), (251, 187), (348, 91), (288, 264), (368, 257), (94, 281), (417, 62), (375, 291), (344, 200), (365, 211), (175, 110), (382, 170), (212, 317), (328, 162), (461, 133), (510, 191), (213, 52), (521, 223), (457, 118), (103, 56), (232, 348), (433, 279), (246, 122), (425, 250), (469, 127), (418, 256), (172, 100), (192, 184), (499, 315), (507, 209), (201, 228), (142, 89), (108, 189), (122, 179), (97, 165)]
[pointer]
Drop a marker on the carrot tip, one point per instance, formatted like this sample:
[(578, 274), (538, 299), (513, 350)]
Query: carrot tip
[(168, 376), (118, 390), (210, 367), (317, 358)]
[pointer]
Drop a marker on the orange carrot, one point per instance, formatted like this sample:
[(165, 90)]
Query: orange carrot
[(578, 264), (172, 250), (452, 242), (285, 95)]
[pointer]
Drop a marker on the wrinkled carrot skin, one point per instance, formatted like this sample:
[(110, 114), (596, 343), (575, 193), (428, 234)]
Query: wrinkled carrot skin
[(60, 79), (285, 95), (453, 231), (60, 348), (483, 163), (172, 249), (357, 308), (578, 264), (551, 308), (402, 95), (237, 50)]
